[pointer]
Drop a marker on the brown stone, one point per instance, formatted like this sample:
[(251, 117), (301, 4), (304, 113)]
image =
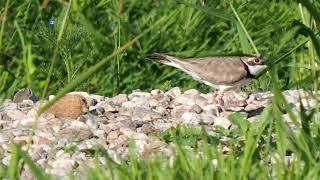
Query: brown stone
[(70, 105)]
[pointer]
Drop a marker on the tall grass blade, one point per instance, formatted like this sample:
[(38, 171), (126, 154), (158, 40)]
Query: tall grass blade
[(245, 30), (3, 23), (54, 57), (212, 12), (312, 8), (14, 161)]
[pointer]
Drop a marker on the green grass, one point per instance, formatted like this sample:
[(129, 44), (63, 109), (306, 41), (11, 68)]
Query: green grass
[(101, 47)]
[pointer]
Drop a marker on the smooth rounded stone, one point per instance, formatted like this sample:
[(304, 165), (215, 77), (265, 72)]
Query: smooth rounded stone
[(156, 92), (222, 122), (128, 105), (192, 92), (307, 103), (210, 109), (122, 140), (259, 96), (106, 127), (98, 98), (162, 125), (207, 118), (164, 101), (132, 134), (22, 140), (196, 108), (178, 110), (70, 105), (62, 142), (119, 100), (45, 133), (111, 126), (152, 147), (142, 102), (300, 93), (77, 131), (235, 109), (38, 153), (291, 99), (92, 123), (191, 118), (28, 122), (201, 101), (3, 138), (253, 119), (256, 105), (106, 107), (2, 154), (38, 140), (142, 114), (185, 99), (139, 94), (15, 114), (235, 99), (126, 130), (61, 166), (9, 106), (140, 144), (20, 132), (126, 123), (6, 160), (207, 96), (153, 103), (161, 110), (174, 92), (99, 133), (91, 143), (113, 135), (79, 156)]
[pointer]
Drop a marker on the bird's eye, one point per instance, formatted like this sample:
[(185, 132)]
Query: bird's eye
[(257, 61)]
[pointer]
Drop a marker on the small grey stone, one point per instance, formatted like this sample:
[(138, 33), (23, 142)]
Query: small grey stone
[(139, 94), (119, 99), (222, 122), (62, 142), (192, 92), (196, 108), (92, 123), (156, 92), (191, 118), (3, 138), (174, 92)]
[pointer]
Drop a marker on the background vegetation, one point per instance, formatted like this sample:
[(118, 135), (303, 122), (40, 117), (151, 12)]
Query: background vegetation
[(46, 57), (87, 34)]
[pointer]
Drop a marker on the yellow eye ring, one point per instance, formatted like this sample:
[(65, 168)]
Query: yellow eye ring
[(257, 61)]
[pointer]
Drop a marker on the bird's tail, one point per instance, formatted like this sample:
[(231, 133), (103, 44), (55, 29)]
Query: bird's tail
[(165, 59)]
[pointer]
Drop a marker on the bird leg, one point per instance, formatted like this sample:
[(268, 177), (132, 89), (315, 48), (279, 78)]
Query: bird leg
[(218, 100)]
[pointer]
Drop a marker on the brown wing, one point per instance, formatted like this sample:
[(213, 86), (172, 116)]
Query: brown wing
[(217, 70)]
